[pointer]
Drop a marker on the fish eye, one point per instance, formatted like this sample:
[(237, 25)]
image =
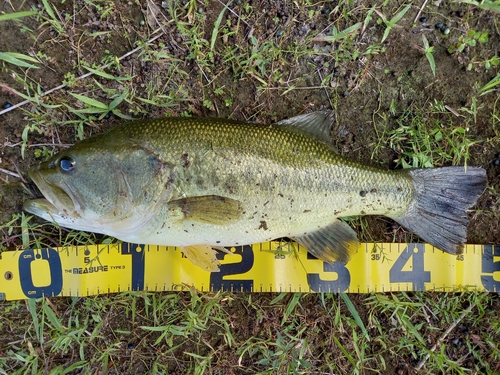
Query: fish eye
[(67, 165)]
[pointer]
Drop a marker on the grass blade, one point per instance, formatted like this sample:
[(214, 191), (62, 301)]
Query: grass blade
[(102, 74), (278, 298), (89, 101), (17, 59), (355, 314), (291, 306), (343, 33), (486, 5), (394, 20), (346, 353), (400, 15), (428, 53), (36, 322), (16, 15), (49, 10), (489, 87), (116, 102), (51, 316), (217, 23)]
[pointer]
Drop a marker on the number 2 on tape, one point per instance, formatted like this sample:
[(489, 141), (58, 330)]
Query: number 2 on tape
[(217, 280)]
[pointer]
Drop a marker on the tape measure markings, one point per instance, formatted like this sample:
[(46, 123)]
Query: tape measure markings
[(264, 267)]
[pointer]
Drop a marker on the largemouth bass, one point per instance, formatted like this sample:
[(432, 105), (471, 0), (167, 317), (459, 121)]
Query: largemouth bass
[(202, 184)]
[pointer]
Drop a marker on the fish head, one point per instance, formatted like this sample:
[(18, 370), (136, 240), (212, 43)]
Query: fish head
[(104, 184)]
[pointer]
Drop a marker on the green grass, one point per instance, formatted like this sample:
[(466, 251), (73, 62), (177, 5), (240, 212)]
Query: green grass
[(144, 330), (430, 138), (258, 63)]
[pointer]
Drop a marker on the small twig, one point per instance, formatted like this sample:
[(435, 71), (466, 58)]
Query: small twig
[(452, 110), (19, 172), (37, 144), (102, 67), (326, 91), (236, 14), (444, 335), (6, 171), (297, 88), (420, 11)]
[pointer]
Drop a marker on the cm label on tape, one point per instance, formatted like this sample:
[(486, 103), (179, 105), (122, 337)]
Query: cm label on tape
[(79, 271)]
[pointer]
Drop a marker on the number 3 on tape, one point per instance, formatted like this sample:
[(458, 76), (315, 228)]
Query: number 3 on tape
[(340, 284)]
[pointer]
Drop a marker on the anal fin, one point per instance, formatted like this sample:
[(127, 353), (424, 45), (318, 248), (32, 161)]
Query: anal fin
[(335, 242)]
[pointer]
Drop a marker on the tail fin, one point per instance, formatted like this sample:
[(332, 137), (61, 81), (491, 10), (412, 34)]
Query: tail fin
[(438, 213)]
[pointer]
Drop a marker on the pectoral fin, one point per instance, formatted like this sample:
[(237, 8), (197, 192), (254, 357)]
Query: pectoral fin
[(211, 209), (204, 256), (335, 242)]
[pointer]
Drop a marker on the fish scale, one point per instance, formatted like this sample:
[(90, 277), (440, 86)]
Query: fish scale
[(280, 178)]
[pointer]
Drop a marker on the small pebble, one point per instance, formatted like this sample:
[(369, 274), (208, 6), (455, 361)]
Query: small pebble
[(7, 105), (200, 10), (445, 31), (438, 25), (423, 19), (142, 23)]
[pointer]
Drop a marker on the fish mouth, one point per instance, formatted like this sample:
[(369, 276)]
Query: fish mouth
[(56, 202)]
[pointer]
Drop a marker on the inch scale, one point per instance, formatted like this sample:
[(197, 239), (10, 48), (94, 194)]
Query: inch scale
[(264, 267)]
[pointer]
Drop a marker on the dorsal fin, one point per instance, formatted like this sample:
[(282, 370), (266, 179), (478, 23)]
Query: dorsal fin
[(317, 124)]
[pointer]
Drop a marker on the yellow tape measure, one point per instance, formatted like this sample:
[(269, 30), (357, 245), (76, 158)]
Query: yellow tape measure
[(265, 267)]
